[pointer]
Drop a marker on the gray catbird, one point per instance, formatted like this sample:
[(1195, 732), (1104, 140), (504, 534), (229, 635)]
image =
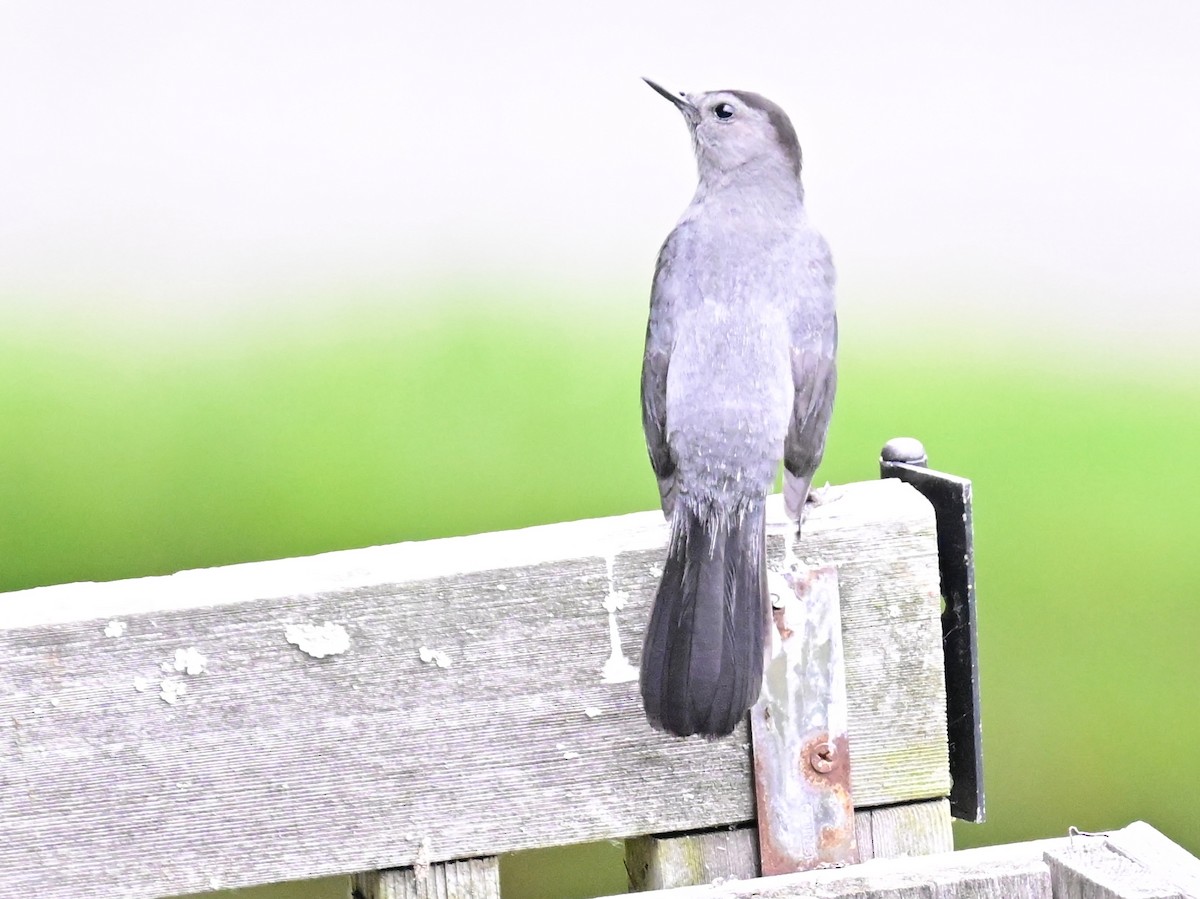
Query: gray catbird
[(739, 374)]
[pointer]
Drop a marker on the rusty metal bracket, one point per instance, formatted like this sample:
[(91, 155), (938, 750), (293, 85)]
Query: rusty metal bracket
[(950, 496), (801, 751)]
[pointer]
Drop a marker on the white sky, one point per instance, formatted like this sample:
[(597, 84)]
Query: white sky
[(1018, 162)]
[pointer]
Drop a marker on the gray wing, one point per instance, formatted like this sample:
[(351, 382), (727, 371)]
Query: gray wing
[(814, 375), (660, 337)]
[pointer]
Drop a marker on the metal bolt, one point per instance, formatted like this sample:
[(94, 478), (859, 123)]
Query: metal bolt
[(908, 450), (823, 758)]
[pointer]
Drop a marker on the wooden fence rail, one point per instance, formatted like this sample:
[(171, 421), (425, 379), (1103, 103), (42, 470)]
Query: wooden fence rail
[(411, 704), (1134, 863)]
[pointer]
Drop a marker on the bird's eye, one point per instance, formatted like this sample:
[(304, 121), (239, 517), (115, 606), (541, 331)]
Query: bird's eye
[(723, 111)]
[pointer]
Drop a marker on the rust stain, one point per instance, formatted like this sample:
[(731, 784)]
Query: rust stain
[(773, 857), (785, 632), (840, 775), (832, 844)]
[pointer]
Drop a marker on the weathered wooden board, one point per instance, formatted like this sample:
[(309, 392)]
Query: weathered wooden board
[(917, 828), (472, 878), (1134, 863), (660, 863), (656, 863), (994, 872), (476, 698)]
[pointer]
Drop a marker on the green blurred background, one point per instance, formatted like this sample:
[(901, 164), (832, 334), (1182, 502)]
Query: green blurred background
[(281, 278), (132, 456)]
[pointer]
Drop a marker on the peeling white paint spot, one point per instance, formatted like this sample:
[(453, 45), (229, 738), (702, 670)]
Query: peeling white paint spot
[(190, 660), (115, 628), (318, 640), (592, 712), (434, 656), (141, 684), (171, 691), (617, 669)]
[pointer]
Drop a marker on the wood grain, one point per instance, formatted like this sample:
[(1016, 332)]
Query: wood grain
[(466, 705), (1136, 862), (473, 878), (917, 828), (657, 863), (994, 872)]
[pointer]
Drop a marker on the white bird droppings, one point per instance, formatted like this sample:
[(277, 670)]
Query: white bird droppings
[(318, 640), (617, 669), (171, 691), (434, 656), (115, 628), (592, 712), (190, 660)]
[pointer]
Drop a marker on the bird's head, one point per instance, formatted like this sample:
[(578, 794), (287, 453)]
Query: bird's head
[(735, 132)]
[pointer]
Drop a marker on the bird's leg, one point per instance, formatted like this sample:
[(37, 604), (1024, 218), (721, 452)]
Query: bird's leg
[(816, 496)]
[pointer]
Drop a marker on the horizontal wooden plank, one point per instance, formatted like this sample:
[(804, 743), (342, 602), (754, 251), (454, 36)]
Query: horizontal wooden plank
[(1136, 862), (448, 699), (994, 872)]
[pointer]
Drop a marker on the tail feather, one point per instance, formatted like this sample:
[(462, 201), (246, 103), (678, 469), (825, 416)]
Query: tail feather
[(702, 661)]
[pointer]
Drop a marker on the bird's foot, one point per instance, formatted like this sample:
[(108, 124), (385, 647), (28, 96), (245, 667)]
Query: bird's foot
[(817, 496)]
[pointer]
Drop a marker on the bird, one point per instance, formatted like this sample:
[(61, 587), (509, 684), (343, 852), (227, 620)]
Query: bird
[(739, 375)]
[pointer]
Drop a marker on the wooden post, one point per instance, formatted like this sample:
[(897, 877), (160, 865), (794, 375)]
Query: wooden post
[(475, 878), (895, 831), (657, 863), (1137, 862)]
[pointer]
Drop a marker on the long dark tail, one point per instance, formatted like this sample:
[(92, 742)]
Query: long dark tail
[(702, 662)]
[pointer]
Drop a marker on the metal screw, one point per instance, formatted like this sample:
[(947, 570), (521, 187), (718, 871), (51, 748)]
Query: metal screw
[(823, 758), (908, 450)]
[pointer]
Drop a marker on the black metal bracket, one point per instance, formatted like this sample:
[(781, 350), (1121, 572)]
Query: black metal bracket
[(950, 496)]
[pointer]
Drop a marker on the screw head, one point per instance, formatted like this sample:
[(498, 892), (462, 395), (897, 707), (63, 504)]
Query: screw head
[(908, 450), (823, 758)]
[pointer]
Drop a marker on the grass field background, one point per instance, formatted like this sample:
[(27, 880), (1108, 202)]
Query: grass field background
[(128, 453)]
